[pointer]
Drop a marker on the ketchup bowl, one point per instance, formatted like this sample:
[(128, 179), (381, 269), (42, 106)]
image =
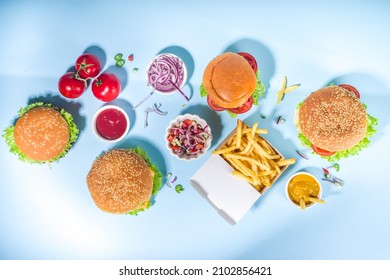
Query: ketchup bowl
[(111, 123)]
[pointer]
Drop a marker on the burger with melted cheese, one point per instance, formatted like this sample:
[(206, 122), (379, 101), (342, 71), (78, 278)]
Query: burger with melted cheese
[(123, 181), (333, 122), (230, 82), (43, 133)]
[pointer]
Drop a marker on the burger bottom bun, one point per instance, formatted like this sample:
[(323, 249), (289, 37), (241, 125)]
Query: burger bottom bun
[(120, 181)]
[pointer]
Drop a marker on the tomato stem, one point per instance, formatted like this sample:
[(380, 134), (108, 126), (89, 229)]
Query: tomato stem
[(98, 82), (77, 77), (83, 65)]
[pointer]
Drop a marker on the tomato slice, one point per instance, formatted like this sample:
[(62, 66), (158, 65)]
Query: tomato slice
[(322, 152), (251, 60), (214, 106), (351, 89), (243, 108)]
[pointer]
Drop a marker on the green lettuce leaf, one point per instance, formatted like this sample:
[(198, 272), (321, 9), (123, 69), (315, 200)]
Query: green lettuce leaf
[(157, 178), (259, 90), (203, 92), (231, 114), (137, 211), (372, 124), (304, 141), (9, 133)]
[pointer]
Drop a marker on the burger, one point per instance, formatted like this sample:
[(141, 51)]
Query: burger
[(230, 82), (43, 133), (333, 122), (123, 181)]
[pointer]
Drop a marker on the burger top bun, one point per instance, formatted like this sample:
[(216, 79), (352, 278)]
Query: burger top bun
[(229, 80), (333, 119), (120, 181), (41, 134)]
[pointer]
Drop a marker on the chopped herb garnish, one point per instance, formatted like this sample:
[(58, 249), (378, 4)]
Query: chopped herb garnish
[(120, 62), (118, 56), (179, 188)]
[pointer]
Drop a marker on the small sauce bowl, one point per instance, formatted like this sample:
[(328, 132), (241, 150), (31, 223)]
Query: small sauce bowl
[(304, 190), (111, 123)]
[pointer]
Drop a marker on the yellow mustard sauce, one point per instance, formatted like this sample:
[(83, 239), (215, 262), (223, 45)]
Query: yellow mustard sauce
[(303, 186)]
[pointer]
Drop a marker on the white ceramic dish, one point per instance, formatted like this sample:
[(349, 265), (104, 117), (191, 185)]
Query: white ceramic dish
[(293, 202), (106, 107), (184, 74), (200, 121)]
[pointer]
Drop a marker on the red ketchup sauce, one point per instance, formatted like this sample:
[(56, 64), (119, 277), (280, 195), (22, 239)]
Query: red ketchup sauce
[(111, 124)]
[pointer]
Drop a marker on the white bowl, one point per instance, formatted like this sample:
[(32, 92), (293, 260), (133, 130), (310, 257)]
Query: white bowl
[(295, 203), (106, 107), (184, 74), (200, 121)]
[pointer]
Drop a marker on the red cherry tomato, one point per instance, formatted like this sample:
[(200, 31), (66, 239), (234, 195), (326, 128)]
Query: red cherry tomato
[(351, 89), (321, 152), (71, 86), (187, 123), (243, 108), (214, 106), (87, 66), (174, 148), (106, 87), (251, 60)]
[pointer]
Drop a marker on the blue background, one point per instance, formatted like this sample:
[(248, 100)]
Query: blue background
[(46, 211)]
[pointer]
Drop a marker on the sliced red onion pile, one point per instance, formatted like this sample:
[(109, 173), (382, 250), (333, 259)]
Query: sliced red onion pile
[(165, 72)]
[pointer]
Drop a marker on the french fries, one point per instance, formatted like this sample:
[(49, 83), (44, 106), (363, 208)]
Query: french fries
[(280, 93), (252, 157), (302, 203), (316, 200), (285, 89)]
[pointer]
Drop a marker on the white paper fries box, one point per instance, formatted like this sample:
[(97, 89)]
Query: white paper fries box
[(231, 196)]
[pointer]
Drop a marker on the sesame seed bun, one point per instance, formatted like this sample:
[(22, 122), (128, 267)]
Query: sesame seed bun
[(42, 134), (333, 119), (229, 80), (120, 181)]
